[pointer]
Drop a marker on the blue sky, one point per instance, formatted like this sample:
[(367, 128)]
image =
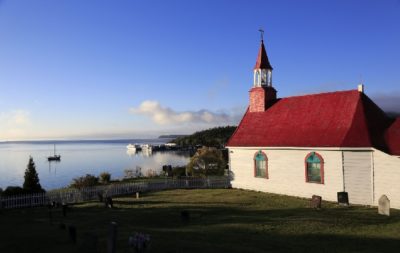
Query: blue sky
[(127, 69)]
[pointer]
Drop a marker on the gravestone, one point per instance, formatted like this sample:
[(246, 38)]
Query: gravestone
[(316, 202), (109, 202), (343, 198), (384, 205), (112, 238)]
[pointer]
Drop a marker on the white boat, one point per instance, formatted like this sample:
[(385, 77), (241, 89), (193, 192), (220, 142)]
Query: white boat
[(131, 146), (146, 148)]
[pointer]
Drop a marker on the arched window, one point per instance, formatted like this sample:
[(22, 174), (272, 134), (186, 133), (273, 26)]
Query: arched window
[(260, 165), (314, 168)]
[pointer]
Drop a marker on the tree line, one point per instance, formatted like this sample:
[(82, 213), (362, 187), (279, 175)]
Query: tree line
[(215, 137)]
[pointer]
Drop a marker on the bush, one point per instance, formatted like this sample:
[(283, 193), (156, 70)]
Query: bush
[(207, 161), (85, 181), (13, 190), (105, 178), (179, 171)]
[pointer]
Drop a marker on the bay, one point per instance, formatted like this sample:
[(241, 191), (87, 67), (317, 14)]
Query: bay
[(79, 158)]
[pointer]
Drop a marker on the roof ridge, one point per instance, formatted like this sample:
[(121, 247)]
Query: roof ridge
[(322, 93)]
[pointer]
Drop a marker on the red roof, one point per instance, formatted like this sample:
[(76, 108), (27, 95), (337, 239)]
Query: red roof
[(393, 137), (334, 119), (262, 58)]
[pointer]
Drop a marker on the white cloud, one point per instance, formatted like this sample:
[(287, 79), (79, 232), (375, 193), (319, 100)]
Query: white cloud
[(14, 124), (166, 116), (15, 118)]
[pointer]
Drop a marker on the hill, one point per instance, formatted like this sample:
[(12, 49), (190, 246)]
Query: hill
[(214, 137)]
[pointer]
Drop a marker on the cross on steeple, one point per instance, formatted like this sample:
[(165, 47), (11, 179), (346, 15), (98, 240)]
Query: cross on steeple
[(261, 33)]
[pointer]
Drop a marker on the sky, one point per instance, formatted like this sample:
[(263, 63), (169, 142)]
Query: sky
[(93, 69)]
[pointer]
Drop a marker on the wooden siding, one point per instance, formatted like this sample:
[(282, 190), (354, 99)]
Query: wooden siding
[(286, 172), (358, 176), (387, 178)]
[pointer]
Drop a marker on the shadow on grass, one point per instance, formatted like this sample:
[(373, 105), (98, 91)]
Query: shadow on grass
[(222, 225)]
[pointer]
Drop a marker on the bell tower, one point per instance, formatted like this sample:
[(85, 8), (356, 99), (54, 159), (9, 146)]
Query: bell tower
[(262, 94)]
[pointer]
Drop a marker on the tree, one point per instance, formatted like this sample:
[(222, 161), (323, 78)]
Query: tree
[(85, 181), (31, 178), (207, 161), (105, 178)]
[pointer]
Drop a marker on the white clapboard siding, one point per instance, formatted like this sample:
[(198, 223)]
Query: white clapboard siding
[(358, 176), (387, 177), (286, 171)]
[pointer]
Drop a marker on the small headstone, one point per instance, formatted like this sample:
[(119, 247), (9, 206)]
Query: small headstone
[(109, 202), (343, 198), (384, 205), (137, 195), (316, 202), (112, 238), (72, 233)]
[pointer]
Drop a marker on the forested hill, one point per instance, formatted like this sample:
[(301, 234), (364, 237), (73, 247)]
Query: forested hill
[(214, 137)]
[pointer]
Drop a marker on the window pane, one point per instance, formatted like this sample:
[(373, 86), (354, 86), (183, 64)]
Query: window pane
[(260, 168), (314, 172)]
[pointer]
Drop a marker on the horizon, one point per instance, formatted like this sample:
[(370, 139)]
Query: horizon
[(73, 70)]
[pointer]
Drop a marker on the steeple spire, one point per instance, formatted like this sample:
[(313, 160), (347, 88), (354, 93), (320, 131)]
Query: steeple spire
[(262, 58), (262, 69), (262, 95)]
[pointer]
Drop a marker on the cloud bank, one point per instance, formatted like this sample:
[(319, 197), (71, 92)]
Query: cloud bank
[(388, 102), (166, 116)]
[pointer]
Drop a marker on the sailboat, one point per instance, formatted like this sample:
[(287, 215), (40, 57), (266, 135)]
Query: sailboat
[(54, 157)]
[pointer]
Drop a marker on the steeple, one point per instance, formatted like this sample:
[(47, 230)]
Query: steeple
[(262, 95), (262, 69)]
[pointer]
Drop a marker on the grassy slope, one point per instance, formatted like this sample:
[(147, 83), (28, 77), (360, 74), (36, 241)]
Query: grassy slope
[(221, 221)]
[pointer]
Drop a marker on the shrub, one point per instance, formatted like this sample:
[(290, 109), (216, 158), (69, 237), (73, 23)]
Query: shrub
[(207, 161), (179, 171), (13, 190), (105, 178), (85, 181)]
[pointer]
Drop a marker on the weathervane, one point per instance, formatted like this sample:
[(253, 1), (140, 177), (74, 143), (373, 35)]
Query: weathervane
[(262, 33)]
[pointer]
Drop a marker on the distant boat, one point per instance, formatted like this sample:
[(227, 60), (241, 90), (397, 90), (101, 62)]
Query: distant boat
[(131, 147), (54, 157), (147, 147)]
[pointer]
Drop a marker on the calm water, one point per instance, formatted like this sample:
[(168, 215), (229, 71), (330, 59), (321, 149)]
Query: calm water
[(77, 159)]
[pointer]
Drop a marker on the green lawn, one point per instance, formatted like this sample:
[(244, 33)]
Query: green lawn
[(225, 220)]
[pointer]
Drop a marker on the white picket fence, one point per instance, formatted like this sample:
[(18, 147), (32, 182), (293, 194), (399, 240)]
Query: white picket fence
[(94, 193)]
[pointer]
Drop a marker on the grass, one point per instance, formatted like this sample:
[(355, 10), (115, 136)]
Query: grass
[(225, 220)]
